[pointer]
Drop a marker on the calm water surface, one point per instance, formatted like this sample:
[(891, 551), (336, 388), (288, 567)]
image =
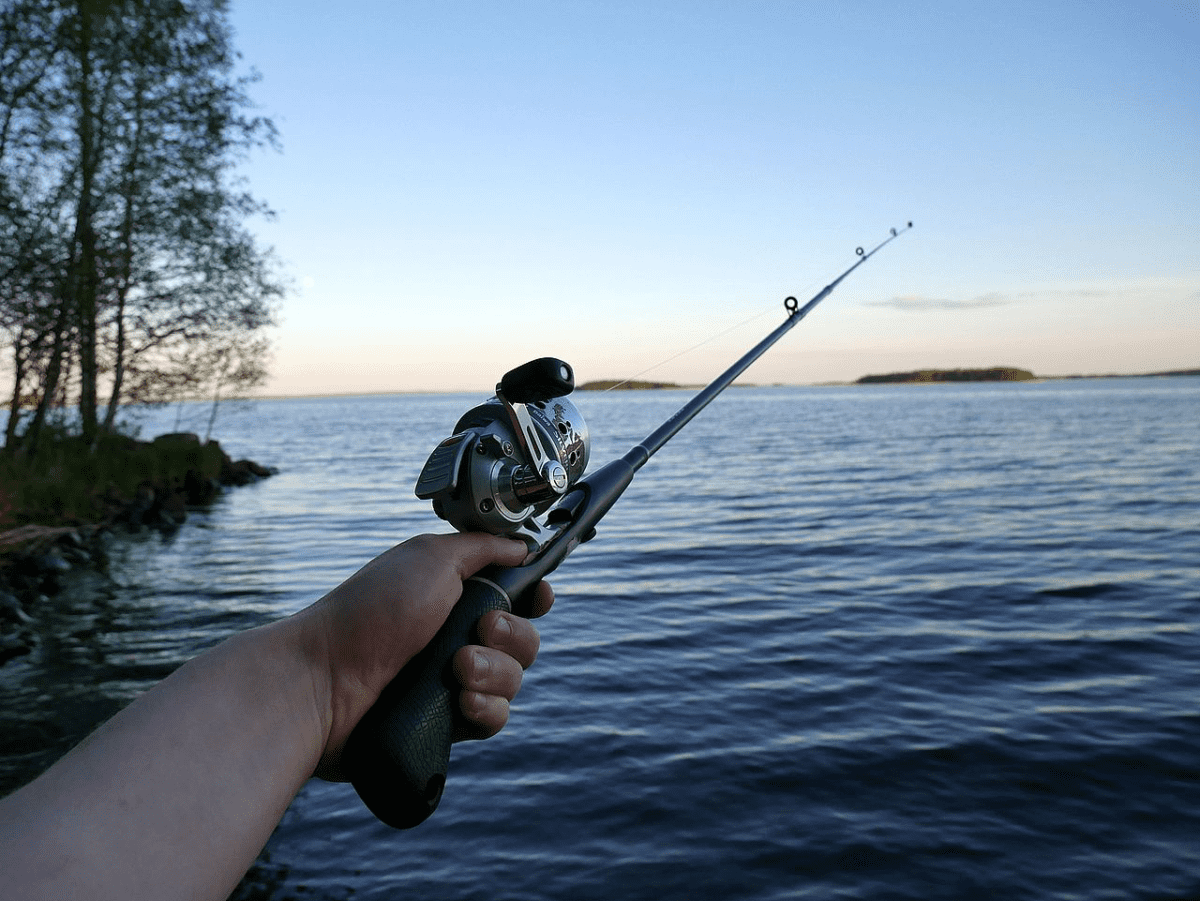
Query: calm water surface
[(870, 642)]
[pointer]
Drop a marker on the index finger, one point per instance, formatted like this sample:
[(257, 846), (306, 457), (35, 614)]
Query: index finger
[(471, 551)]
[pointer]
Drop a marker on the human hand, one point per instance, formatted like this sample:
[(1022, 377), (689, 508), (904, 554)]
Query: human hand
[(365, 630), (223, 744)]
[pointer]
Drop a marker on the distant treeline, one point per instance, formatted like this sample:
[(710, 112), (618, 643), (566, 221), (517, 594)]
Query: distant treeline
[(1140, 375), (610, 384), (994, 374)]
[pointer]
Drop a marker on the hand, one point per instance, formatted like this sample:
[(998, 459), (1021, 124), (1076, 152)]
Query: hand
[(176, 794), (490, 673), (366, 629)]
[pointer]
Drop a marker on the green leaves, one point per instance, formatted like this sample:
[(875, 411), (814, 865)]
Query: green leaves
[(124, 245)]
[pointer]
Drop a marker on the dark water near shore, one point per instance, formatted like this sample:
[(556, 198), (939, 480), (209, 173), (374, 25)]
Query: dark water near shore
[(872, 642)]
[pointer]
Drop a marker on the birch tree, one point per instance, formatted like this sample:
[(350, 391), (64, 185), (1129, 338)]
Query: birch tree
[(124, 221)]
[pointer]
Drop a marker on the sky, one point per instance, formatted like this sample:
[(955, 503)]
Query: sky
[(635, 187)]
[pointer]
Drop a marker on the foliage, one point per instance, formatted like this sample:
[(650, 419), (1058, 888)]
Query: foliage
[(629, 385), (994, 374), (71, 482), (124, 253)]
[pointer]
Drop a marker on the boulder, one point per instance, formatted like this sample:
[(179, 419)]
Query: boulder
[(243, 472)]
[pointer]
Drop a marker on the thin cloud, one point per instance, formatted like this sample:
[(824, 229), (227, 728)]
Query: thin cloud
[(1086, 293), (919, 304), (1068, 294)]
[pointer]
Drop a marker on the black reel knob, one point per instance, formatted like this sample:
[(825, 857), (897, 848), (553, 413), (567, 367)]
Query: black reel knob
[(537, 380)]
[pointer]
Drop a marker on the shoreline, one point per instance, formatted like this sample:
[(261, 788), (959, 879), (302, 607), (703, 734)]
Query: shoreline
[(671, 386), (653, 386), (57, 527)]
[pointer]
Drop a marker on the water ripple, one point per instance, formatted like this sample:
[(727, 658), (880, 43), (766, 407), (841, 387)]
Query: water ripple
[(855, 643)]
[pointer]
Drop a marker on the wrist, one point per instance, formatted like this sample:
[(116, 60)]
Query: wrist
[(307, 642)]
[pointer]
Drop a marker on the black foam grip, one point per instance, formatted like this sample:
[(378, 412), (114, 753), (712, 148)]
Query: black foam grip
[(398, 754), (540, 379)]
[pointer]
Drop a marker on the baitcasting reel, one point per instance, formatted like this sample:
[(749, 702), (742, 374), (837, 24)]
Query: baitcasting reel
[(511, 457), (510, 460)]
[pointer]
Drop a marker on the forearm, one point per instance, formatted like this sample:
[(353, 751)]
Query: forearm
[(175, 796)]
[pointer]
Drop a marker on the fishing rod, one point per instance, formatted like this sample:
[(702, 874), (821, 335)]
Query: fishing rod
[(513, 466)]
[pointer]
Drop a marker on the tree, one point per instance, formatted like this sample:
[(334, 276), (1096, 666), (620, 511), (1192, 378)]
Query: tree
[(123, 239), (27, 202), (227, 368)]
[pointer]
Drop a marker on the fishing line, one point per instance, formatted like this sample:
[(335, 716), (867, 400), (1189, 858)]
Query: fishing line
[(688, 350), (766, 311), (514, 467)]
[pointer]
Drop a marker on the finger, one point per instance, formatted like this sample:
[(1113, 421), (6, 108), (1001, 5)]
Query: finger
[(542, 600), (487, 671), (510, 634), (485, 715), (472, 551)]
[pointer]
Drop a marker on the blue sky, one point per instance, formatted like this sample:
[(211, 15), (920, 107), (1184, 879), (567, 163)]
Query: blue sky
[(467, 185)]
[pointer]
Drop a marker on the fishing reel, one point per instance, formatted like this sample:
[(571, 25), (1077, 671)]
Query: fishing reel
[(512, 457)]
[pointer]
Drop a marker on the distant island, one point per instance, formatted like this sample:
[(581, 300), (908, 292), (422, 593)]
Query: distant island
[(916, 377), (998, 374), (611, 384), (1139, 375), (994, 374)]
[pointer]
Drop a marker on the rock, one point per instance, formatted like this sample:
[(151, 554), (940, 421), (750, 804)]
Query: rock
[(173, 509), (13, 646), (177, 471), (78, 556), (11, 609), (139, 508), (261, 471), (52, 562), (35, 571), (73, 540), (16, 636), (198, 489), (179, 438), (243, 472)]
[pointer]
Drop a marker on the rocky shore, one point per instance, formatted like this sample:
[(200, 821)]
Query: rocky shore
[(176, 473)]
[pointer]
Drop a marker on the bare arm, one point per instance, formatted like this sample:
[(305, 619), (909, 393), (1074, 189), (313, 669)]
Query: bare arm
[(175, 796)]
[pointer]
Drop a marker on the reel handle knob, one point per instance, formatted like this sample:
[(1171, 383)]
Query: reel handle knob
[(537, 380)]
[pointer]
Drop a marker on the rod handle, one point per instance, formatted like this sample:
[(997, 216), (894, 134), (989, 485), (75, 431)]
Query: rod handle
[(398, 754)]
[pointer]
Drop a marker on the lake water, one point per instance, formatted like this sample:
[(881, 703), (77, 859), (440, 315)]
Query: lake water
[(840, 642)]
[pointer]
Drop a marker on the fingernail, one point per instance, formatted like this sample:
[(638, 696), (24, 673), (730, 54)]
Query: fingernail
[(475, 703), (482, 664), (503, 627)]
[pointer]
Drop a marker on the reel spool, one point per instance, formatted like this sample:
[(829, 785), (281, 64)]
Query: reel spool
[(511, 457)]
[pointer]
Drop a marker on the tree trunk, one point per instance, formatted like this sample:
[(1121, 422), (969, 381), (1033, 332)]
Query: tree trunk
[(85, 280), (212, 413), (33, 434), (114, 399), (14, 407), (126, 277)]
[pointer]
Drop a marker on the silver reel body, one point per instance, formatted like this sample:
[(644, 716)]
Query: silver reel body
[(509, 460)]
